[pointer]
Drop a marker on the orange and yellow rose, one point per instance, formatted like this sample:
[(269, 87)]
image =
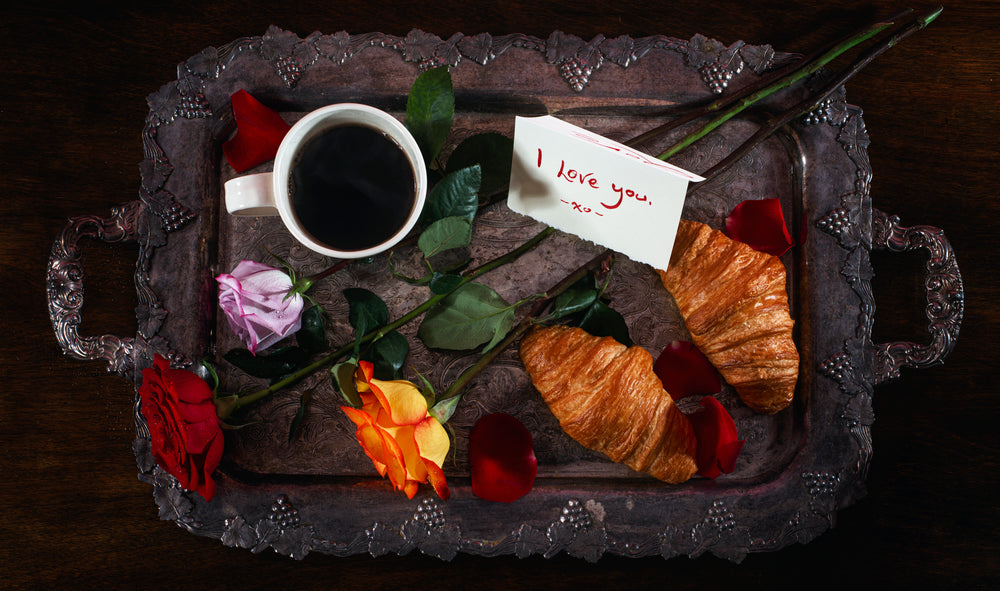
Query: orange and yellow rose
[(397, 433)]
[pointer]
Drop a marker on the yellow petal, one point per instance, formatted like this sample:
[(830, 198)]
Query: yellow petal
[(405, 404), (432, 440)]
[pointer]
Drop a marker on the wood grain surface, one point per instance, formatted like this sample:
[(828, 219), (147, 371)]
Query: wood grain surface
[(74, 81)]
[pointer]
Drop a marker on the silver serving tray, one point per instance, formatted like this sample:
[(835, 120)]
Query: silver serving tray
[(318, 493)]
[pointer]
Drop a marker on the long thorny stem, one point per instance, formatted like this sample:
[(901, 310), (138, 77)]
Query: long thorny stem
[(729, 108), (726, 108), (803, 71), (344, 350), (808, 104)]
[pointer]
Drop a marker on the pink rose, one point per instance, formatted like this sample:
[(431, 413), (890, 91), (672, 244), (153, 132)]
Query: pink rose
[(260, 304)]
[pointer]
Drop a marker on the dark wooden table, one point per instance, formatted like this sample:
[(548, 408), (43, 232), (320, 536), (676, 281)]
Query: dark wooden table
[(72, 512)]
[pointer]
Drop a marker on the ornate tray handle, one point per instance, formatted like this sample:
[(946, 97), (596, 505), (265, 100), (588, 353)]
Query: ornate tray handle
[(64, 287), (945, 296)]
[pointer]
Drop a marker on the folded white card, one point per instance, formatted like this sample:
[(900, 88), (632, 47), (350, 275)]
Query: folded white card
[(577, 181)]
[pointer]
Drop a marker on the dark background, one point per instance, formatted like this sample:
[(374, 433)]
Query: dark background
[(74, 82)]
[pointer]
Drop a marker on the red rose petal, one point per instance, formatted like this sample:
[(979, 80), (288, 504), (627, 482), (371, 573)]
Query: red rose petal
[(684, 370), (259, 131), (760, 224), (715, 431), (502, 458)]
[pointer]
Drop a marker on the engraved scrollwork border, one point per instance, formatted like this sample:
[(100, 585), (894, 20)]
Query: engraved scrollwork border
[(575, 59), (849, 223)]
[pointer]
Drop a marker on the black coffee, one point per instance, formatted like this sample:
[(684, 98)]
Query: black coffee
[(352, 187)]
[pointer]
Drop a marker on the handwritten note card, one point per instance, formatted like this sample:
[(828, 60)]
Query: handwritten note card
[(580, 182)]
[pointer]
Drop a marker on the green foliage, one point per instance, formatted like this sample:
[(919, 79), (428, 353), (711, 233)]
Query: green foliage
[(366, 312), (602, 321), (430, 108), (388, 355), (342, 376), (442, 283), (312, 335), (585, 307), (300, 415), (455, 195), (445, 234), (576, 299), (277, 363), (492, 152), (472, 315)]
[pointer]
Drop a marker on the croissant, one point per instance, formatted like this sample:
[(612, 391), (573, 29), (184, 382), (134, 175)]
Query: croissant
[(733, 301), (607, 397)]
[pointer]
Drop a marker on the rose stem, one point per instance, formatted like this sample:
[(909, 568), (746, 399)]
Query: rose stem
[(797, 75), (810, 103), (725, 101), (736, 103), (778, 80), (330, 270), (345, 349), (515, 333)]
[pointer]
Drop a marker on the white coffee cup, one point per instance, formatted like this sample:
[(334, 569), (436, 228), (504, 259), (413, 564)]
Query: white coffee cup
[(272, 193)]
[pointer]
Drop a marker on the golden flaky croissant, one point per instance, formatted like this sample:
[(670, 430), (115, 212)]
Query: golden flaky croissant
[(607, 397), (735, 306)]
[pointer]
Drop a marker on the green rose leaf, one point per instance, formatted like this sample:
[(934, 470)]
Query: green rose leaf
[(472, 315), (493, 153), (342, 376), (312, 335), (277, 363), (602, 321), (388, 355), (366, 312), (430, 108), (300, 415), (445, 234), (442, 283), (457, 194), (579, 297)]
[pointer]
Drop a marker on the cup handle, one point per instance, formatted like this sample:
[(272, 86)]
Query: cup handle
[(251, 195)]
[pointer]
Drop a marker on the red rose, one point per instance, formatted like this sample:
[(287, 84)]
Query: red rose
[(185, 431)]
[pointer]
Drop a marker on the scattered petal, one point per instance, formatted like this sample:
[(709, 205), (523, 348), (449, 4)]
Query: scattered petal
[(760, 224), (718, 446), (684, 371), (259, 131), (502, 458)]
